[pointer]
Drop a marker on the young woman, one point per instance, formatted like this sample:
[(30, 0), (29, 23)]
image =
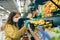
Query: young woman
[(11, 28)]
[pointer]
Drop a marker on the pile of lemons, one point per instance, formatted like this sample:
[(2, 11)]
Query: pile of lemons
[(41, 22)]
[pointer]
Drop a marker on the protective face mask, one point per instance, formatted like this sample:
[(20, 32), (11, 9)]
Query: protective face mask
[(16, 19)]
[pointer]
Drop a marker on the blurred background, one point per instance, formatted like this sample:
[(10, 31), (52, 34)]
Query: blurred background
[(48, 10)]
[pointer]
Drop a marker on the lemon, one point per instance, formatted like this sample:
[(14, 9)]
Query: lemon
[(41, 22), (44, 25), (59, 3), (47, 22), (50, 24)]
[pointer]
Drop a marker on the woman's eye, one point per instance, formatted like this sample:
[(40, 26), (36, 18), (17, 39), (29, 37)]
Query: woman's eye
[(16, 17)]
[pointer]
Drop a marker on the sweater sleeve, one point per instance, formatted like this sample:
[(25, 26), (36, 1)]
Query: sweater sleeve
[(21, 22), (25, 18), (13, 33)]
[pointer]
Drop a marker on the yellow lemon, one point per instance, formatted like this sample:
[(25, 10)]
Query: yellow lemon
[(59, 3), (41, 22), (44, 25), (50, 25), (47, 22)]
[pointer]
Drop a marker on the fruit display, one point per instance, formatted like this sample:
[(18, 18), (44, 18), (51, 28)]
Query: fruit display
[(52, 7), (42, 22), (55, 38), (49, 7), (55, 30), (47, 23), (46, 9), (57, 35), (57, 2), (54, 34)]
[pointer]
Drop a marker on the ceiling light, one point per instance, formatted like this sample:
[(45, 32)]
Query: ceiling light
[(1, 7), (7, 11)]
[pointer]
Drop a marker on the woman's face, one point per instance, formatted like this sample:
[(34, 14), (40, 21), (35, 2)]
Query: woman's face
[(16, 17)]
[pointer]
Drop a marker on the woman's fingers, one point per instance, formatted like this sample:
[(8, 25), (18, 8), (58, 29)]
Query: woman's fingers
[(28, 26)]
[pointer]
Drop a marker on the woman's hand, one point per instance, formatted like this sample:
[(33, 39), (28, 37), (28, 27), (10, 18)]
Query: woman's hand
[(29, 27), (33, 34), (31, 18)]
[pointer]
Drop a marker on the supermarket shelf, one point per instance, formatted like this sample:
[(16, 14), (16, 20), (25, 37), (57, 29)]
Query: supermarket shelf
[(55, 19)]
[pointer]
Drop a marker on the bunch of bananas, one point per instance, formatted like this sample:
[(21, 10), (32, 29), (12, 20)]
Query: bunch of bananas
[(41, 22)]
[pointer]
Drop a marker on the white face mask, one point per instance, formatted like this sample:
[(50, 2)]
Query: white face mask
[(16, 19)]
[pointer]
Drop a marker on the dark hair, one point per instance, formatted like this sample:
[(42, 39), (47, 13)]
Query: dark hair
[(10, 18)]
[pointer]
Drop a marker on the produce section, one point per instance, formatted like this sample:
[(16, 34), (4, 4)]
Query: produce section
[(41, 18)]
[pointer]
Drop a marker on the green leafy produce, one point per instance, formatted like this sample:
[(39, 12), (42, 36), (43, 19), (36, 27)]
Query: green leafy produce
[(53, 38)]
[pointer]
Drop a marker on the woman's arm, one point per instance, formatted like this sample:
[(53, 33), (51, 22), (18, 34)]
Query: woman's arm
[(14, 33), (33, 34), (25, 19)]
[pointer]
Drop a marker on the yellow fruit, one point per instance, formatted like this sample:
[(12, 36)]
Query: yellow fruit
[(32, 21), (41, 22), (44, 25), (59, 3), (35, 25), (50, 14), (47, 22), (56, 1), (53, 8), (35, 22), (42, 16), (50, 25)]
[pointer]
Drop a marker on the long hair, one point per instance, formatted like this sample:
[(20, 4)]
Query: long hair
[(10, 18)]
